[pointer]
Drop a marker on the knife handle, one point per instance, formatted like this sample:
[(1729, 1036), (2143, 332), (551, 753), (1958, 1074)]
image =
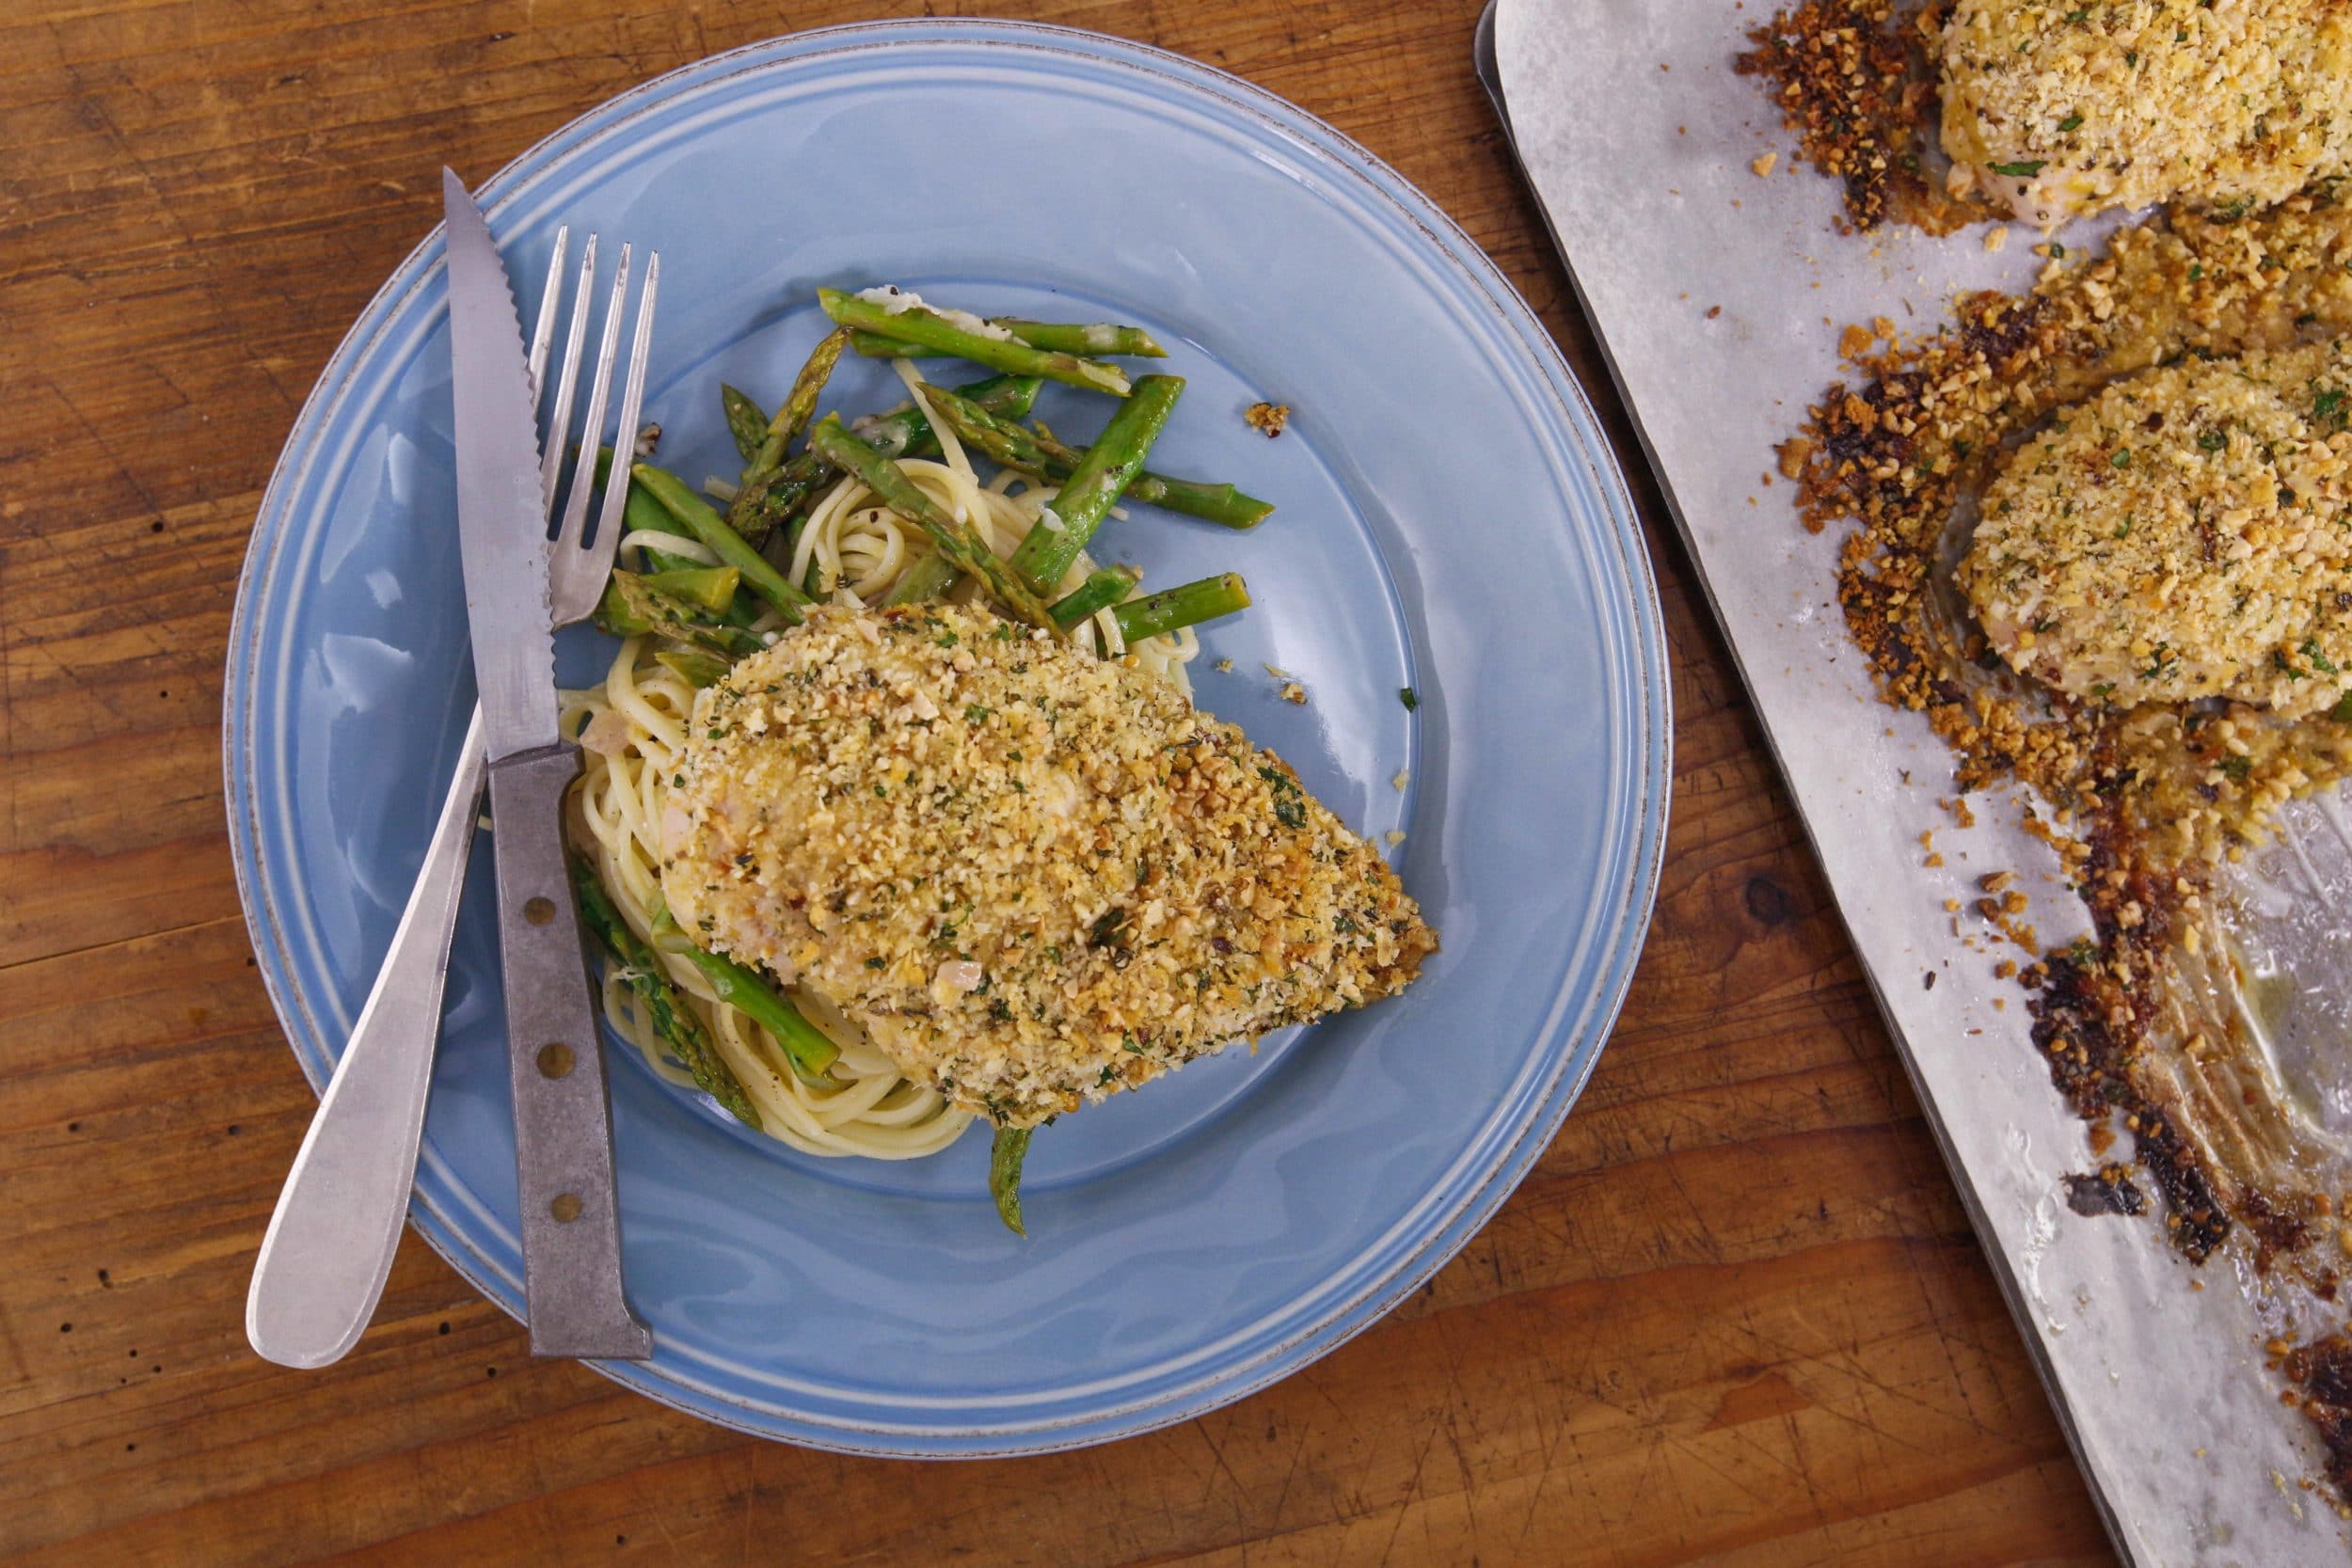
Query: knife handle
[(555, 1058)]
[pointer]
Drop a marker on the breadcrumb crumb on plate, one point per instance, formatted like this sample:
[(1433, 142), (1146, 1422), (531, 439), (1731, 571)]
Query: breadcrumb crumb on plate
[(1269, 418)]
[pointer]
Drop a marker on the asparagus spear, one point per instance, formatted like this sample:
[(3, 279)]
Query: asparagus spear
[(904, 433), (641, 514), (804, 1045), (1100, 590), (631, 608), (1221, 503), (799, 404), (1057, 337), (1005, 1155), (1170, 609), (935, 332), (1082, 338), (695, 669), (958, 543), (707, 524), (710, 589), (1097, 483), (671, 1019), (926, 578), (1184, 605), (752, 501), (746, 421), (784, 496), (908, 433), (1040, 456), (1000, 438)]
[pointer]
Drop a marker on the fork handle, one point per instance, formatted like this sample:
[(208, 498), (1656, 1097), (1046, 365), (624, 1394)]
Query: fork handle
[(331, 1240), (563, 1115)]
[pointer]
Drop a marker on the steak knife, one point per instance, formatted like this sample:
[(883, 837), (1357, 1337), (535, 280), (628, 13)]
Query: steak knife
[(562, 1119)]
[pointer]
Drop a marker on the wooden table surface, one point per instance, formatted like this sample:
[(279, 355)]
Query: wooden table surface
[(1736, 1316)]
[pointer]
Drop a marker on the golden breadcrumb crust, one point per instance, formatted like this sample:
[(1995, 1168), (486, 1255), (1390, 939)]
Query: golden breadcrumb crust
[(2068, 107), (2186, 533), (1033, 878)]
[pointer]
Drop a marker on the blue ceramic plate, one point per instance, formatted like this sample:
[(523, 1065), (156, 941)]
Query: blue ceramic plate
[(1450, 521)]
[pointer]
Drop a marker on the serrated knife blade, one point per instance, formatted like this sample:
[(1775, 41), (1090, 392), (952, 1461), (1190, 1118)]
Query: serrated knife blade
[(564, 1165), (502, 517)]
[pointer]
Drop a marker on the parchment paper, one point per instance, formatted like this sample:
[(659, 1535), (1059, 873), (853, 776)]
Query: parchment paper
[(1718, 296)]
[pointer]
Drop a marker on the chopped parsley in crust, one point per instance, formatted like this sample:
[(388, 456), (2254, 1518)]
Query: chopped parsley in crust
[(1033, 878), (2186, 533)]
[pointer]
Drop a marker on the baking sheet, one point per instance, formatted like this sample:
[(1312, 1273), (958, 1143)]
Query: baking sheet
[(1718, 295)]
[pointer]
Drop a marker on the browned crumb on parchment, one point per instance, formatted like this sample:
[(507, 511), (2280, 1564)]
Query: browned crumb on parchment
[(2141, 803), (2321, 1372), (1271, 418), (1852, 79), (2109, 1190)]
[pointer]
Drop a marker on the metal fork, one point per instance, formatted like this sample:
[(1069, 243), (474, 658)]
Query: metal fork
[(330, 1243)]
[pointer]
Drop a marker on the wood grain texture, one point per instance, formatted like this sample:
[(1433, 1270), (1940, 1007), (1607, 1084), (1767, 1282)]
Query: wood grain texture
[(1735, 1317)]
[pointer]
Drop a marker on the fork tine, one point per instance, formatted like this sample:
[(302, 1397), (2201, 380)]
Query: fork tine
[(608, 531), (568, 376), (551, 295), (599, 389)]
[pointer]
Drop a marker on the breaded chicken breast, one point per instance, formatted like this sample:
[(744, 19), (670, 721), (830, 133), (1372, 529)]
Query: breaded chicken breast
[(2187, 534), (1032, 877), (2068, 107)]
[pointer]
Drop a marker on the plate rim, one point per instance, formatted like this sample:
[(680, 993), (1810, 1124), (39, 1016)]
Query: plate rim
[(1649, 748)]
